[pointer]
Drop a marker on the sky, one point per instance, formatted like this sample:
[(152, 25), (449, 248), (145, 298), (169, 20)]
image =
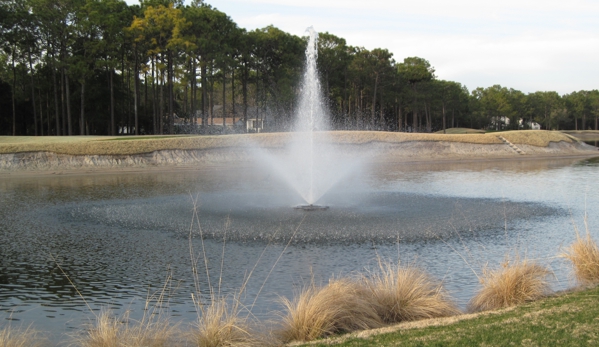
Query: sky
[(528, 45)]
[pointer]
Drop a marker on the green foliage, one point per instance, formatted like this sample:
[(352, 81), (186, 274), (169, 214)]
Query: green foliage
[(109, 61)]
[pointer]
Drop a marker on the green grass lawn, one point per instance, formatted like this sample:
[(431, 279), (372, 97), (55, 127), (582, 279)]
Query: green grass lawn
[(566, 320)]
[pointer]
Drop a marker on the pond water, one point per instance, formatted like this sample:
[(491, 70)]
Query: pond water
[(119, 237)]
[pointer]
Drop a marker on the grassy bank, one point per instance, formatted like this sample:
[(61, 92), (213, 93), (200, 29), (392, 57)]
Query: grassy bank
[(110, 145), (564, 320), (584, 135)]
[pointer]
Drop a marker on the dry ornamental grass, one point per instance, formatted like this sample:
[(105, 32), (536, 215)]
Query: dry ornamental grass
[(110, 331), (341, 306), (18, 337), (584, 256), (220, 325), (408, 293), (513, 284)]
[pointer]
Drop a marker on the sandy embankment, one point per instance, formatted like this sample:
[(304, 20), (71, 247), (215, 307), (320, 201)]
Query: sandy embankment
[(52, 154)]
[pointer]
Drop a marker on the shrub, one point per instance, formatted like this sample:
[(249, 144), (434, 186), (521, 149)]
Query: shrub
[(584, 255), (407, 293), (514, 283), (341, 306), (220, 325)]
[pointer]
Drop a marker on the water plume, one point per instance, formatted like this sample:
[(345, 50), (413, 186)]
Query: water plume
[(311, 164)]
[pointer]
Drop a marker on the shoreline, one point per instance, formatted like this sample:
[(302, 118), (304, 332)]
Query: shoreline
[(32, 156), (81, 171)]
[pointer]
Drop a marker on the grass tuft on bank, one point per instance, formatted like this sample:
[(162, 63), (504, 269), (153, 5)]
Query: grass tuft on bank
[(220, 324), (110, 331), (584, 256), (343, 305), (514, 283), (20, 337), (407, 293), (565, 320)]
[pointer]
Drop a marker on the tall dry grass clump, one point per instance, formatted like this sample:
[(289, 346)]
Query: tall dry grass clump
[(408, 293), (111, 331), (18, 337), (221, 325), (514, 283), (343, 305), (584, 255)]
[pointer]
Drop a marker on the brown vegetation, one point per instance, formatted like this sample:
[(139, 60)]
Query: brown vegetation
[(514, 283), (341, 306), (408, 293), (584, 255), (19, 337), (110, 331), (221, 325)]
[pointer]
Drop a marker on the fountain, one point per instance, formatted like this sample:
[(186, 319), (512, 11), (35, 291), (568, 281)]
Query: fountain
[(312, 164)]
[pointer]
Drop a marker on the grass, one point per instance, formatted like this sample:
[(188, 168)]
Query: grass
[(19, 337), (514, 283), (584, 135), (105, 145), (110, 331), (408, 293), (584, 256), (341, 306), (461, 131), (221, 325), (565, 320)]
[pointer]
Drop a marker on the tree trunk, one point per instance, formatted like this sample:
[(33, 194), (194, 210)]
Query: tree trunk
[(12, 92), (193, 93), (154, 96), (33, 94), (453, 118), (171, 119), (382, 109), (427, 115), (62, 104), (82, 120), (135, 92), (39, 94), (68, 99), (161, 106), (224, 97), (112, 124), (145, 97), (373, 112), (233, 95), (399, 117), (414, 111), (204, 94), (444, 119), (211, 98), (244, 91), (56, 103)]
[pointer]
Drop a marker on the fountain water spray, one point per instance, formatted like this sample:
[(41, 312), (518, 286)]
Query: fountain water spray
[(311, 165), (310, 117)]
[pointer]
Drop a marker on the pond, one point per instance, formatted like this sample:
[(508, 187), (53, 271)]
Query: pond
[(121, 237)]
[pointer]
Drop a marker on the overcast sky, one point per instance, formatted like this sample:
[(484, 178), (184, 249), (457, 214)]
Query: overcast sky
[(528, 45)]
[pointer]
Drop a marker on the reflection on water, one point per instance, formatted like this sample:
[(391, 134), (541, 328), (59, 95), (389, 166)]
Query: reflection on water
[(118, 236)]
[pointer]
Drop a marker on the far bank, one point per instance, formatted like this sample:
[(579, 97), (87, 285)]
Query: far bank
[(100, 153)]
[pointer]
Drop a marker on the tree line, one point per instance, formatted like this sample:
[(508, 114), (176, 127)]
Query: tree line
[(102, 67)]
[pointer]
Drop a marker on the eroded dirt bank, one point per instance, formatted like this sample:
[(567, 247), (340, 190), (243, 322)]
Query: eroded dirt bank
[(45, 161)]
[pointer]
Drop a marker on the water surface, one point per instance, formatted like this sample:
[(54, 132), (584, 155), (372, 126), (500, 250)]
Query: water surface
[(119, 237)]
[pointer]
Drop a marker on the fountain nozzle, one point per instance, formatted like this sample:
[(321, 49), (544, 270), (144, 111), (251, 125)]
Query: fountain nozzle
[(311, 207)]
